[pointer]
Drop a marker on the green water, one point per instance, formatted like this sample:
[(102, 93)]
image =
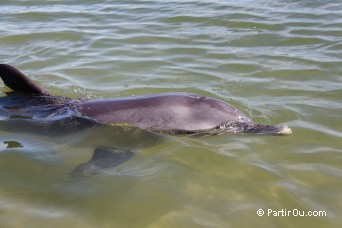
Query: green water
[(278, 61)]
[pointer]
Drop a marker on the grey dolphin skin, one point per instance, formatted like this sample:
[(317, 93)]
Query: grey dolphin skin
[(173, 113)]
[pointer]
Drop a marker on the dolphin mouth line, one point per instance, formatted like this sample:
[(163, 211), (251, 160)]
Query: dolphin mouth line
[(269, 129), (241, 126)]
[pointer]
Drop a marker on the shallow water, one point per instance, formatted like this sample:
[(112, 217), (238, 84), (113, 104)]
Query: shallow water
[(278, 61)]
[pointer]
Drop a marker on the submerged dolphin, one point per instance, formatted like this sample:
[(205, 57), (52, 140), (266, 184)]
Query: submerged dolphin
[(172, 113)]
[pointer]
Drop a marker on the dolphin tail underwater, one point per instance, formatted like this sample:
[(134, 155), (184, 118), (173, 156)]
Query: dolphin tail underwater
[(103, 158)]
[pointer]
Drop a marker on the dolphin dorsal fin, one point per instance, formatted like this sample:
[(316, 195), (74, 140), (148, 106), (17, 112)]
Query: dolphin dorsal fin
[(18, 82)]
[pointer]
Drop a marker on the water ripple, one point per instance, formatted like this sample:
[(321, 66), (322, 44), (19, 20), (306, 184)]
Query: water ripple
[(278, 61)]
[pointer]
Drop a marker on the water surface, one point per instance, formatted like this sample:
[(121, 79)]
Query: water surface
[(278, 61)]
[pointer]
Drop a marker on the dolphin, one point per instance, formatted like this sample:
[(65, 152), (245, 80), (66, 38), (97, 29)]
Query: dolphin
[(168, 113)]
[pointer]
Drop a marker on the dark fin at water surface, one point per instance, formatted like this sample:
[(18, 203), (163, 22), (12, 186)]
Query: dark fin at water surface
[(18, 82), (103, 158)]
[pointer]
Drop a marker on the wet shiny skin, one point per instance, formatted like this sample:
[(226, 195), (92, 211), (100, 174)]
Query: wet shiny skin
[(168, 111)]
